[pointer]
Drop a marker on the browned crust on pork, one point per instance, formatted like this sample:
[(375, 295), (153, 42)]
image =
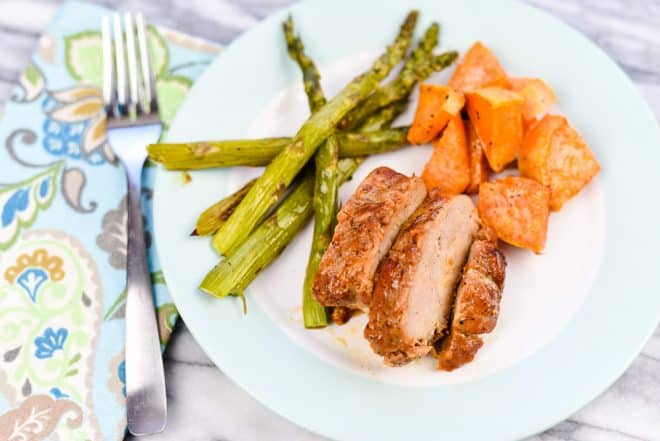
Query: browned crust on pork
[(478, 297), (393, 282), (457, 349), (477, 304), (346, 271)]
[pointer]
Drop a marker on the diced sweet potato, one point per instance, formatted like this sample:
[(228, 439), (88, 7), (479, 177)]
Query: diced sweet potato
[(555, 155), (517, 209), (436, 106), (478, 68), (535, 148), (448, 169), (539, 97), (497, 117), (479, 169)]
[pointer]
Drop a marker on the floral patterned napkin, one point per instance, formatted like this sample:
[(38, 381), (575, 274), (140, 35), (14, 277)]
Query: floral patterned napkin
[(63, 237)]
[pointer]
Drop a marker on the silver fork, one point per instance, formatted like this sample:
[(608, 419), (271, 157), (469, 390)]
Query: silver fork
[(129, 96)]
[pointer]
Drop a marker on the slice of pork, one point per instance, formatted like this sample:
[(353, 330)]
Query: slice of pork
[(415, 283), (366, 228), (477, 305)]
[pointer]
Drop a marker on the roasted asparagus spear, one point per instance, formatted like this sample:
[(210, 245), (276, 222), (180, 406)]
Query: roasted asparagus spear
[(324, 200), (260, 152), (311, 76), (210, 220)]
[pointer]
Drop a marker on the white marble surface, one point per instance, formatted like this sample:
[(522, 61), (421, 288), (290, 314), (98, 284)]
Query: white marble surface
[(203, 403)]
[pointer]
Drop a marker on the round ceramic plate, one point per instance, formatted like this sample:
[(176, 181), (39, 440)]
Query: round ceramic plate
[(571, 319)]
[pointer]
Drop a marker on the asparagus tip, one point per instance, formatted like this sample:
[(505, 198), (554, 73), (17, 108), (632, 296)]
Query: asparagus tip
[(287, 24)]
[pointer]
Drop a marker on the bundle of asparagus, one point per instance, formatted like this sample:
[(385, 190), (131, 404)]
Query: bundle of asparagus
[(339, 134)]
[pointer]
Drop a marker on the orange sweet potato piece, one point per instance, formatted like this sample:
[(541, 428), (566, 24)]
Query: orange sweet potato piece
[(436, 106), (539, 97), (448, 169), (527, 125), (478, 68), (497, 117), (555, 155), (517, 209), (535, 148), (479, 169)]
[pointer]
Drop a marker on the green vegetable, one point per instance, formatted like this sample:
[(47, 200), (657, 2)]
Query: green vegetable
[(260, 152), (383, 118), (354, 145), (212, 154), (325, 204), (279, 174), (311, 76), (324, 200), (213, 217)]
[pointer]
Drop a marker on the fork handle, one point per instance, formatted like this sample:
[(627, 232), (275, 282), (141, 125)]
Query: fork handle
[(145, 379)]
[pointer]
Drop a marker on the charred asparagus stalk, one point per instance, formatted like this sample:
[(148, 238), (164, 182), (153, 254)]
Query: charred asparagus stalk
[(279, 174), (213, 217), (260, 152), (311, 76), (212, 154), (325, 204), (324, 200), (365, 143), (382, 118)]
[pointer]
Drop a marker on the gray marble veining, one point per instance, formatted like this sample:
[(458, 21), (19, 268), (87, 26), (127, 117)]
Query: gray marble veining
[(204, 404)]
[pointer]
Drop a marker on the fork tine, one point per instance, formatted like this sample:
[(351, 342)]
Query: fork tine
[(131, 56), (149, 103), (108, 67), (120, 60)]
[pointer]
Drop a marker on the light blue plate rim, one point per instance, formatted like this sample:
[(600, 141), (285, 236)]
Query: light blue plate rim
[(590, 353)]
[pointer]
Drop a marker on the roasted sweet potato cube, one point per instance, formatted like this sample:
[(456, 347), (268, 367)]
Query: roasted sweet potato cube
[(555, 155), (436, 106), (535, 148), (497, 117), (478, 68), (479, 169), (517, 209), (448, 169), (539, 97)]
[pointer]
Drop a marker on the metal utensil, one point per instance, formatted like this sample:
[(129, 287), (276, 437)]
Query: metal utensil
[(131, 108)]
